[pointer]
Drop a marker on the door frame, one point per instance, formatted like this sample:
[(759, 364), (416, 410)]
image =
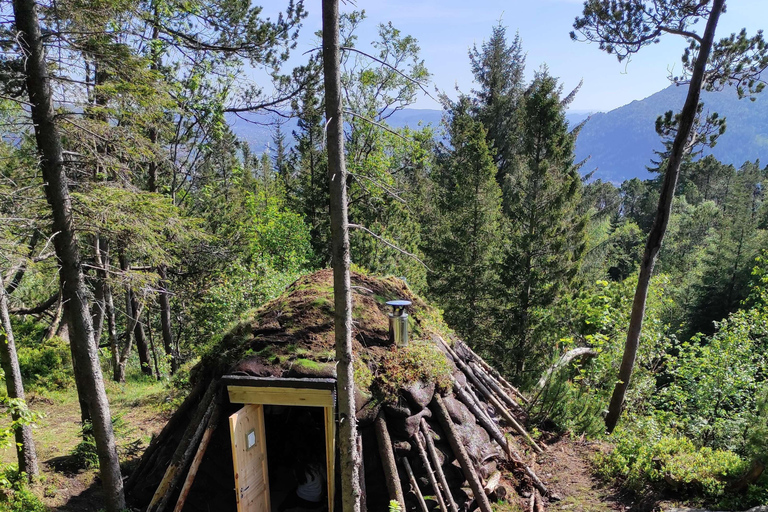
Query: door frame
[(293, 392)]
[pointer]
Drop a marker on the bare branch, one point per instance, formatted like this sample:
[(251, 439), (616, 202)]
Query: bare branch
[(390, 244)]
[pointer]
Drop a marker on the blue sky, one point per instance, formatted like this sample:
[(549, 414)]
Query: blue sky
[(446, 29)]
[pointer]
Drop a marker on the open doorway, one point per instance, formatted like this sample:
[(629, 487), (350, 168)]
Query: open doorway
[(296, 458), (283, 444)]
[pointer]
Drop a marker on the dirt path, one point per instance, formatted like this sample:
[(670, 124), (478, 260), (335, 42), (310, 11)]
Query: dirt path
[(565, 467)]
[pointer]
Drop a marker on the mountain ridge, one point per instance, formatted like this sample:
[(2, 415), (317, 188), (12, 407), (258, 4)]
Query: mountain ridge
[(615, 145)]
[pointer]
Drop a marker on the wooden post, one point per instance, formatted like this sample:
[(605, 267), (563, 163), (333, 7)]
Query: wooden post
[(439, 470), (387, 454), (415, 485), (209, 429), (430, 472)]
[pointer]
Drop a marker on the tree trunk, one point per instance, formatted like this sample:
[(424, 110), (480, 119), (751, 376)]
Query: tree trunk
[(25, 446), (165, 320), (97, 310), (142, 347), (663, 212), (342, 293), (74, 292)]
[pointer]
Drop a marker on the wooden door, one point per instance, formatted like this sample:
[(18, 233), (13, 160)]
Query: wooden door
[(249, 454)]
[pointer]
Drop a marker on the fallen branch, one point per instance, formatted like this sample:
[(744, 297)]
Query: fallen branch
[(564, 360), (390, 244)]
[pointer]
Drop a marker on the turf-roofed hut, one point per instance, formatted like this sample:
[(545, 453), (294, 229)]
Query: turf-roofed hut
[(440, 429)]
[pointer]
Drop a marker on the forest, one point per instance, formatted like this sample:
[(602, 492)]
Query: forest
[(136, 230)]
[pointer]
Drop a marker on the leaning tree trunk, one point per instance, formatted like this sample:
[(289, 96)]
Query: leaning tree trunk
[(663, 212), (342, 293), (25, 446), (74, 292)]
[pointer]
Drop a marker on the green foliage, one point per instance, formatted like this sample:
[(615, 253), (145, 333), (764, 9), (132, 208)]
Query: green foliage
[(46, 364), (670, 462), (84, 454), (575, 397), (463, 244), (418, 361), (15, 494)]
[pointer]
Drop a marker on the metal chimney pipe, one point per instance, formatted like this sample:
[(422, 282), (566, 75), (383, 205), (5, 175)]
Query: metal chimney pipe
[(398, 322)]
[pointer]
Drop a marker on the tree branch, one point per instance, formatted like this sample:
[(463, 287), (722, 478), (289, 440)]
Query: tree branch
[(390, 244)]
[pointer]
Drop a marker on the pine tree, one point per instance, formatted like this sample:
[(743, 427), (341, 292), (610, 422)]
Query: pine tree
[(464, 246), (542, 200)]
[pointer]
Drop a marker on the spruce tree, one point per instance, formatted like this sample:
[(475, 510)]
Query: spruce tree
[(463, 247), (542, 200), (498, 69)]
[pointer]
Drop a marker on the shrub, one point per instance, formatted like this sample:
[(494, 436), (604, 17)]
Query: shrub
[(46, 364), (15, 494), (671, 462)]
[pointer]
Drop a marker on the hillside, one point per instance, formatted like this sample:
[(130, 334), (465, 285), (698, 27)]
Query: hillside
[(620, 143)]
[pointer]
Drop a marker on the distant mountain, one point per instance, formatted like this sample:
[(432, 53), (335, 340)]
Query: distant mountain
[(620, 143), (258, 130)]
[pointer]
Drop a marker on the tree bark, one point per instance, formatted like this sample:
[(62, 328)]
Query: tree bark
[(663, 212), (25, 445), (337, 176), (74, 292)]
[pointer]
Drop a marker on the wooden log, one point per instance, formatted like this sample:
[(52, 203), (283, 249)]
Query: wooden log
[(495, 433), (482, 418), (491, 398), (494, 386), (438, 408), (430, 472), (388, 461), (532, 503), (488, 395), (470, 394), (183, 454), (438, 469), (492, 483), (494, 373), (414, 485), (213, 422), (539, 502)]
